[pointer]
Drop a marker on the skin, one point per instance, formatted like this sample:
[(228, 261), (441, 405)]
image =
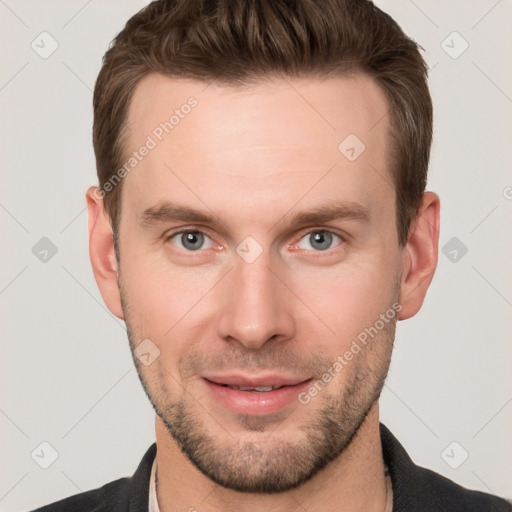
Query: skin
[(253, 157)]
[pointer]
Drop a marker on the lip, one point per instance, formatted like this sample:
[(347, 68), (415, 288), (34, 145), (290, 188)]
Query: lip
[(255, 403)]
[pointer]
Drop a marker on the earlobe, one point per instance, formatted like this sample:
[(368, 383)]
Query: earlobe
[(102, 253), (420, 256)]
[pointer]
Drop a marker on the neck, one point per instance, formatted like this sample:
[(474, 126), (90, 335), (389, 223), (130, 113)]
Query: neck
[(354, 482)]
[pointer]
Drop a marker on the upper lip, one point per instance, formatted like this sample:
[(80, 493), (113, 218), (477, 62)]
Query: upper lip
[(256, 380)]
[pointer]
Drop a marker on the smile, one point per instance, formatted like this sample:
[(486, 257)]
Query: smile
[(262, 396)]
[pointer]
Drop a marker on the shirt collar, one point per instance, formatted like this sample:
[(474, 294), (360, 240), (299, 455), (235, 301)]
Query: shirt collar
[(153, 500)]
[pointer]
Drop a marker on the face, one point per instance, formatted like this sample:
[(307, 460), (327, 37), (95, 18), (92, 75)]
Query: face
[(257, 253)]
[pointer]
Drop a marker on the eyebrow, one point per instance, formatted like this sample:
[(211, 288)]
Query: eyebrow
[(167, 212), (334, 210)]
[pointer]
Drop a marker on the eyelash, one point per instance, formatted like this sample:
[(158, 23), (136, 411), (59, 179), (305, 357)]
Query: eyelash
[(342, 241)]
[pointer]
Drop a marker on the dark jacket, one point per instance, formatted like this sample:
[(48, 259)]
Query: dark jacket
[(415, 489)]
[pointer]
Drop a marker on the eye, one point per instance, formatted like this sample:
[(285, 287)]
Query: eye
[(191, 240), (319, 240)]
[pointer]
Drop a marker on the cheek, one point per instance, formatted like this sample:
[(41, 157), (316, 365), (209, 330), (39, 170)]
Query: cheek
[(160, 296), (345, 300)]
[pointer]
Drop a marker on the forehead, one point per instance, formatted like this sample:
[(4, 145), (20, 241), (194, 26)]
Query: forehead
[(331, 106), (268, 141)]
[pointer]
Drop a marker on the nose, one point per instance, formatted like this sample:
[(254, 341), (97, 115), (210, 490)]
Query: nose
[(256, 306)]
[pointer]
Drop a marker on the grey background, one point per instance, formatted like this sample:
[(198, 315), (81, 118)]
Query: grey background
[(66, 374)]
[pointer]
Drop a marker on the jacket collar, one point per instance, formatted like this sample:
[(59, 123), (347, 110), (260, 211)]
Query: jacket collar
[(138, 497), (402, 471)]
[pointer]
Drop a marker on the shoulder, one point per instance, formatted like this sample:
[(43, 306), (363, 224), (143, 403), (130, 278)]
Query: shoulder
[(103, 499), (423, 490), (448, 495), (127, 494)]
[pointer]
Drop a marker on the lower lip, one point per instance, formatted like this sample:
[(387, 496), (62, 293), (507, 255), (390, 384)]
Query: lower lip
[(255, 403)]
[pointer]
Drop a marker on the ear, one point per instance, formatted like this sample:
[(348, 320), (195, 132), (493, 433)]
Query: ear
[(101, 252), (420, 256)]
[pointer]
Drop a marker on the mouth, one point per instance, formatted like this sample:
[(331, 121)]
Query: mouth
[(259, 389), (255, 396)]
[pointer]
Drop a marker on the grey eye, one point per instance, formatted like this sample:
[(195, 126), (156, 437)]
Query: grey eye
[(319, 240), (191, 240)]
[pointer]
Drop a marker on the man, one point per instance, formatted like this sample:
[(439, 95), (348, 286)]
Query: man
[(260, 224)]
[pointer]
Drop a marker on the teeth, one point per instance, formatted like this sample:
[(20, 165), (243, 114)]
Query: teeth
[(261, 388), (253, 388)]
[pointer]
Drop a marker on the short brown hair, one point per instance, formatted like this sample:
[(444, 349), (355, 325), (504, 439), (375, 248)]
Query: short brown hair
[(239, 41)]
